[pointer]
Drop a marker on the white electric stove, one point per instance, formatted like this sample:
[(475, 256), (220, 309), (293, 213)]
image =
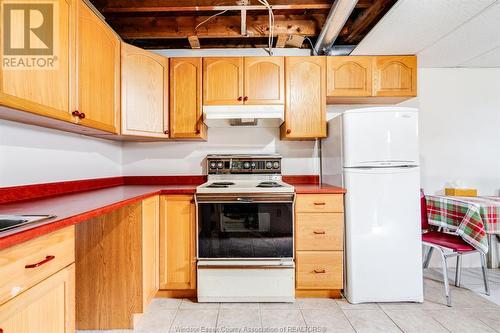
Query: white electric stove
[(245, 227)]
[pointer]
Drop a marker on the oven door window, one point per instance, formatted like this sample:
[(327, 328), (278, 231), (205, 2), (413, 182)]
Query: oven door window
[(245, 230)]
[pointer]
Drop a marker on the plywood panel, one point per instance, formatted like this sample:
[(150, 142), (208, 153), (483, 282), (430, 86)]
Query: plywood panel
[(109, 269)]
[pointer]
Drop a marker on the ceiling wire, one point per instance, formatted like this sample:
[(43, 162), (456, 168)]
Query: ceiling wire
[(208, 19), (270, 40), (271, 26)]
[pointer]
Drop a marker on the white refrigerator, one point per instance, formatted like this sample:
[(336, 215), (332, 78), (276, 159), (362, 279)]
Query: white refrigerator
[(373, 153)]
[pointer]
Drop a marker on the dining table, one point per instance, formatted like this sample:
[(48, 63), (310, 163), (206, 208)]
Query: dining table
[(475, 219)]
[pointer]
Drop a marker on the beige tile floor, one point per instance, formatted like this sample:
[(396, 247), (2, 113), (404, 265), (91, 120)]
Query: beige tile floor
[(472, 312)]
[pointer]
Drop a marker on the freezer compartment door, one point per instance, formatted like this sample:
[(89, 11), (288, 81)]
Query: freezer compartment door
[(383, 235), (380, 137)]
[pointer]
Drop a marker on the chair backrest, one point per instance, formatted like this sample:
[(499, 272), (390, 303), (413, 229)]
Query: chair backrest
[(423, 211)]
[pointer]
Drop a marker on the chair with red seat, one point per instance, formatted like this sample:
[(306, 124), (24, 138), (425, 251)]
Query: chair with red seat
[(448, 245)]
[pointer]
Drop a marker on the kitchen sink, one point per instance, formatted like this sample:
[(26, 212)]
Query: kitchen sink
[(8, 222)]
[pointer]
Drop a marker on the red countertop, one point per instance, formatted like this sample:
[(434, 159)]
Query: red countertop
[(77, 207), (318, 189), (73, 208)]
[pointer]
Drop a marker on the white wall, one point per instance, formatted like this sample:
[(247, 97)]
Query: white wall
[(31, 154), (459, 128), (186, 158)]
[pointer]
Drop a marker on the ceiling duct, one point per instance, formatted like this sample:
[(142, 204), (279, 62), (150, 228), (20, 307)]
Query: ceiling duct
[(339, 13)]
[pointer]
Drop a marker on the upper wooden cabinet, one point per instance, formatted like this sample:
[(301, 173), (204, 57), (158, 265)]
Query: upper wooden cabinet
[(248, 80), (177, 242), (98, 72), (349, 76), (186, 99), (144, 93), (222, 81), (395, 76), (264, 80), (305, 104), (45, 91), (371, 79)]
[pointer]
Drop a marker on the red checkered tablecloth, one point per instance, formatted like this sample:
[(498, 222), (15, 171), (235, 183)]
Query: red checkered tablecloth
[(470, 217)]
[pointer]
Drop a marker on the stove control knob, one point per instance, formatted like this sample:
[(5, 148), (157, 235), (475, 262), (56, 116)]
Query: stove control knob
[(246, 165), (276, 165), (212, 165), (220, 165), (253, 165), (269, 165)]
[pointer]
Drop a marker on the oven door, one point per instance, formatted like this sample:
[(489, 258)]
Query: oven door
[(245, 227)]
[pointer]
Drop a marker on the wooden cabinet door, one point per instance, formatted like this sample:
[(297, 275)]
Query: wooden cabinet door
[(98, 72), (144, 93), (186, 99), (264, 80), (177, 242), (222, 81), (305, 103), (46, 91), (349, 76), (395, 76), (46, 307), (150, 248)]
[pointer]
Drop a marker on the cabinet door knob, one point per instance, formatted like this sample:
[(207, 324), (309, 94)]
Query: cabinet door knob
[(288, 131), (81, 115), (245, 98), (165, 132), (197, 131), (75, 113), (240, 98)]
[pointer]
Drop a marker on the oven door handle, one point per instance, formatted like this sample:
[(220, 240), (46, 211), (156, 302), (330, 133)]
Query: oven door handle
[(241, 199)]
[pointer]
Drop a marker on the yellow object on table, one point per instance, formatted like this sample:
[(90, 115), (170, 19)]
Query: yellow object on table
[(461, 192)]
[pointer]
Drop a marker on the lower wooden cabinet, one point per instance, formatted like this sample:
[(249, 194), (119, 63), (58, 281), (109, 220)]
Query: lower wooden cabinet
[(319, 269), (177, 242), (319, 244), (150, 248), (49, 306), (116, 266)]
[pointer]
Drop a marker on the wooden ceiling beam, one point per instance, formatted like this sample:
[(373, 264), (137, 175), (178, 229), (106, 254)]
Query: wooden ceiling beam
[(210, 8), (218, 27), (156, 7), (366, 20)]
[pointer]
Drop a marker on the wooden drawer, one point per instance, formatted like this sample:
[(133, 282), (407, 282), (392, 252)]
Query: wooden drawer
[(15, 277), (319, 269), (318, 203), (320, 231)]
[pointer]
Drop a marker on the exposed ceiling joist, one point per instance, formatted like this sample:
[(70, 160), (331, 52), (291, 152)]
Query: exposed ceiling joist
[(365, 21), (169, 23), (218, 27)]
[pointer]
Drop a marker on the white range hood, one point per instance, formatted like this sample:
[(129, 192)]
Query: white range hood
[(243, 115)]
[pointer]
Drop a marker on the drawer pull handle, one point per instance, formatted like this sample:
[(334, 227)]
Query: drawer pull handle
[(319, 271), (319, 203), (319, 232), (44, 261)]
